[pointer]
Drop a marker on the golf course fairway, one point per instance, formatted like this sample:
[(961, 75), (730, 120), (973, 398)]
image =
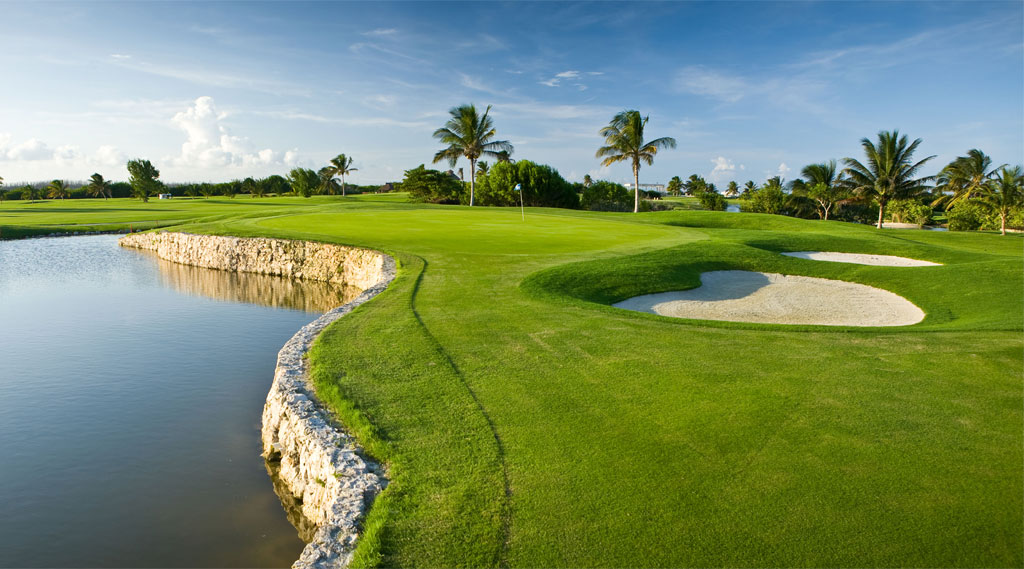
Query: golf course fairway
[(526, 422)]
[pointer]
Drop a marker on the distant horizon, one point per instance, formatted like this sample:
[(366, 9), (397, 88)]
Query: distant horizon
[(216, 92)]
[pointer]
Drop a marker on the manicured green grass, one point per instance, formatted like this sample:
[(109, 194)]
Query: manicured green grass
[(527, 423)]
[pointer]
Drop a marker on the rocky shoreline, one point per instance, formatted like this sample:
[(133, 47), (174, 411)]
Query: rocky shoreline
[(319, 463)]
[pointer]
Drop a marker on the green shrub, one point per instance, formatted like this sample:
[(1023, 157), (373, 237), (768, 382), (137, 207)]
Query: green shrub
[(433, 186), (966, 216), (909, 211), (606, 196), (542, 186), (768, 199), (712, 201)]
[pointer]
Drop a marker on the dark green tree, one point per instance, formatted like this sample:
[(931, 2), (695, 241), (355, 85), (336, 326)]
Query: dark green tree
[(824, 185), (98, 186), (1004, 194), (964, 178), (303, 181), (675, 186), (57, 189), (432, 186), (144, 178), (541, 186), (769, 198), (605, 196)]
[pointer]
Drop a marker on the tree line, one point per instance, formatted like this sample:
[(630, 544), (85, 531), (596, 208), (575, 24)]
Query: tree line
[(144, 183), (886, 185)]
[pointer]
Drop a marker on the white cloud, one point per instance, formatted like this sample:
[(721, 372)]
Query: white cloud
[(783, 170), (110, 156), (699, 80), (31, 149), (724, 169), (568, 74), (120, 56), (210, 144)]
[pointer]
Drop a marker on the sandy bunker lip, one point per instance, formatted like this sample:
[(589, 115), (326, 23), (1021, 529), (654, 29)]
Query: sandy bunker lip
[(861, 259), (770, 298)]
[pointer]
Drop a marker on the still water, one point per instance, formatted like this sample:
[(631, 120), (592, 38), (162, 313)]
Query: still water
[(131, 391)]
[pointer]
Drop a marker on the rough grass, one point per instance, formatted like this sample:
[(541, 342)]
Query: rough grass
[(527, 423)]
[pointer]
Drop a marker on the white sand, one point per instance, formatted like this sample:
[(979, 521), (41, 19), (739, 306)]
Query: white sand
[(860, 259), (744, 296)]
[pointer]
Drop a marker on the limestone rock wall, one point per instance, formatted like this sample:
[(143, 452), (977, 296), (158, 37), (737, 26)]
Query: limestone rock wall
[(320, 464), (348, 266)]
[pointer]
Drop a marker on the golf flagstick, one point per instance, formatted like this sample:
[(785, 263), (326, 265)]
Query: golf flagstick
[(519, 188)]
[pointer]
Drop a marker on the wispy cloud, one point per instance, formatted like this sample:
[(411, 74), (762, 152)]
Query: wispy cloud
[(211, 77), (381, 32), (370, 48), (571, 77), (120, 56), (699, 80), (478, 85)]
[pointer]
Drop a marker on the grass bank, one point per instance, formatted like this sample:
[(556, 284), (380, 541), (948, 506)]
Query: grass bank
[(528, 423)]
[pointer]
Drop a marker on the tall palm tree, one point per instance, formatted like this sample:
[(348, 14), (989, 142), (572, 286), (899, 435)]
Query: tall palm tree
[(824, 184), (98, 186), (468, 134), (624, 137), (57, 189), (28, 193), (1004, 193), (889, 173), (587, 180), (964, 177), (342, 165)]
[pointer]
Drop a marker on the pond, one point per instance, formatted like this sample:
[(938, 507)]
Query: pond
[(131, 393)]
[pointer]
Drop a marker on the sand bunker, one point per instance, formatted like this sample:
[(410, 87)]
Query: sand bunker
[(744, 296), (861, 259)]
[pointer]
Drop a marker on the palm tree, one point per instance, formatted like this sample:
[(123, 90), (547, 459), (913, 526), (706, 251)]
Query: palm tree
[(587, 180), (28, 193), (2, 190), (824, 185), (98, 186), (1004, 193), (468, 134), (889, 173), (732, 190), (749, 188), (482, 168), (57, 189), (328, 185), (340, 166), (624, 137), (964, 177)]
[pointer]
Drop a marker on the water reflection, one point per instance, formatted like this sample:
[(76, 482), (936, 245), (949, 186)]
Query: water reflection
[(291, 504), (252, 288)]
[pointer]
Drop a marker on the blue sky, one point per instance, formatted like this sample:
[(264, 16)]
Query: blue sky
[(215, 91)]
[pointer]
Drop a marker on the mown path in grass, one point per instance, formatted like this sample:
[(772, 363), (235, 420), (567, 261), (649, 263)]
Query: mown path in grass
[(527, 423)]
